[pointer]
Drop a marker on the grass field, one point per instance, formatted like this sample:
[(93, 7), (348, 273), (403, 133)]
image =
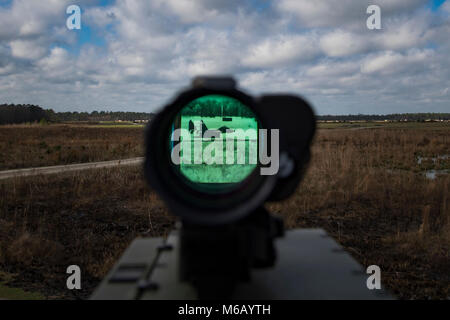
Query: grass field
[(23, 146), (372, 124), (15, 293), (365, 187)]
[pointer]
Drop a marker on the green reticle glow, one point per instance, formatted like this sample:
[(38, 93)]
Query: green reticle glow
[(233, 147)]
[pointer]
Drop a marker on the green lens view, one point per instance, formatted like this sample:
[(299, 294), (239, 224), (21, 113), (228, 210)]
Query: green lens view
[(216, 139)]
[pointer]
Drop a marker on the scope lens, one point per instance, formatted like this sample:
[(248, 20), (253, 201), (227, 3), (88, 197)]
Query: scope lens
[(214, 142)]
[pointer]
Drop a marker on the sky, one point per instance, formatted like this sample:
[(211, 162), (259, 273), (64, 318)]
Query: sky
[(134, 55)]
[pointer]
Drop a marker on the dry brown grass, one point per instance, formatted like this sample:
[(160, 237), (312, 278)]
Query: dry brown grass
[(50, 222), (363, 186), (23, 146), (366, 189)]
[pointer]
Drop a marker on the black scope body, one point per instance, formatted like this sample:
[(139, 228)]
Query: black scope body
[(215, 154)]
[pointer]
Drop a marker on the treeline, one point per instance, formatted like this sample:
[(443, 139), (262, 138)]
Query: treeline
[(212, 107), (14, 114), (99, 116), (21, 113), (390, 117)]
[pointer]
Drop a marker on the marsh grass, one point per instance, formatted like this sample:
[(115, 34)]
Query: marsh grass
[(87, 218), (367, 190), (23, 146), (365, 187)]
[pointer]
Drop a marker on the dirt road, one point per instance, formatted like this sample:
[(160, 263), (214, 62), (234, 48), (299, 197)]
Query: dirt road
[(66, 168)]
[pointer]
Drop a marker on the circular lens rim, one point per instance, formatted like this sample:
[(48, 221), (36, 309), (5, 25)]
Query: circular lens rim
[(215, 188), (187, 202)]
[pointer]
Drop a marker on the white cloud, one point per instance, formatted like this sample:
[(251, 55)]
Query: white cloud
[(331, 13), (340, 43), (404, 33), (330, 68), (446, 7), (281, 51), (320, 49), (320, 13), (6, 69), (25, 49), (392, 62), (57, 59)]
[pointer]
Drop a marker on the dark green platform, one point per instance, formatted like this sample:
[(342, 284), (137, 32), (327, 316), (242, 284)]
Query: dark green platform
[(310, 265)]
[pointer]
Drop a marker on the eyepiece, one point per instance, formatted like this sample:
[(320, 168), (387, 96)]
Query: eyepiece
[(214, 143), (207, 151)]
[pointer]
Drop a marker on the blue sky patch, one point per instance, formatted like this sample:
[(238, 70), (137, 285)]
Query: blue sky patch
[(435, 4)]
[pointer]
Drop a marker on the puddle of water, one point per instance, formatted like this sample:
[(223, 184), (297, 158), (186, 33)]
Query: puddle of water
[(434, 159), (429, 174), (432, 174)]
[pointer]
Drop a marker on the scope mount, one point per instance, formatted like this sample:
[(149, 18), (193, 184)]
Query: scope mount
[(311, 265), (215, 258)]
